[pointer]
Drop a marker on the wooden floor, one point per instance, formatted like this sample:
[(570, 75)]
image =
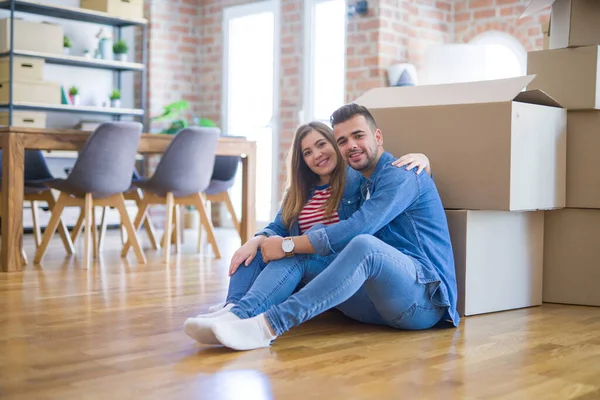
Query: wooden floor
[(115, 332)]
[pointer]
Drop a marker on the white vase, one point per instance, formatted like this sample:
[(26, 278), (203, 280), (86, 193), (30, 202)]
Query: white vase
[(66, 51), (115, 103), (75, 99), (121, 57)]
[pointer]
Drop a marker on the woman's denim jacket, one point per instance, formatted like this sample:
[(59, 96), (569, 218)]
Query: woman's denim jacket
[(350, 203)]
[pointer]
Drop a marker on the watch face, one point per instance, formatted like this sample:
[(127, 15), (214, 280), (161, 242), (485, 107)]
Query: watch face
[(287, 246)]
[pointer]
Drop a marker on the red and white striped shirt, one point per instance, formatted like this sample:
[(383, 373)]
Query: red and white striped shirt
[(314, 211)]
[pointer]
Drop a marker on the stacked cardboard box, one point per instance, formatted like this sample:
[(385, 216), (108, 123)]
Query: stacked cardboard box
[(120, 8), (570, 72), (28, 81), (28, 86), (498, 156)]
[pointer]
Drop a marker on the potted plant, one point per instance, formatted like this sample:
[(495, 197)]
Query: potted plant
[(74, 95), (115, 98), (66, 45), (172, 113), (120, 49)]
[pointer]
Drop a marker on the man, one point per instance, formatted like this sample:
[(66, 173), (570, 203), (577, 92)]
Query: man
[(390, 263)]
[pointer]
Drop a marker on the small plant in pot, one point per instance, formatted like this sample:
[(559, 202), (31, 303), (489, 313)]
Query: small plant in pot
[(66, 45), (115, 98), (74, 95), (120, 49)]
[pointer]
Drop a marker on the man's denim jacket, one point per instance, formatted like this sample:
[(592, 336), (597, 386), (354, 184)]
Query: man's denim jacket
[(405, 211)]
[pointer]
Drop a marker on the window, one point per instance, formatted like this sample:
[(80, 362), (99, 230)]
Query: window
[(491, 55), (325, 44), (505, 56)]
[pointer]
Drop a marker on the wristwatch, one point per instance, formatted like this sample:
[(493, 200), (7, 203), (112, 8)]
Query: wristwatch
[(288, 246)]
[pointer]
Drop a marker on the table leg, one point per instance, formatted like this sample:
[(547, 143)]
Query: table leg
[(12, 202), (248, 220)]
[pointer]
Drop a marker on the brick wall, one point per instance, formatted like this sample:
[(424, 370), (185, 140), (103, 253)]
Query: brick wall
[(473, 17), (394, 31), (186, 53)]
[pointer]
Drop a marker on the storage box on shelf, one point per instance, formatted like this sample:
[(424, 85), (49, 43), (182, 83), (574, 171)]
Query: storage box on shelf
[(570, 76), (26, 119), (121, 8), (29, 35), (493, 146), (24, 68), (573, 23), (39, 92), (571, 257), (498, 259)]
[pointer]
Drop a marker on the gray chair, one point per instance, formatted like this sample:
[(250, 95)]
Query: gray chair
[(100, 176), (222, 180), (35, 174), (182, 174)]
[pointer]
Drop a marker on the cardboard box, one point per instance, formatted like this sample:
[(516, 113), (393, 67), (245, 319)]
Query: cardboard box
[(28, 34), (570, 76), (31, 92), (491, 146), (26, 119), (24, 68), (546, 33), (498, 257), (122, 8), (583, 146), (572, 257), (573, 23)]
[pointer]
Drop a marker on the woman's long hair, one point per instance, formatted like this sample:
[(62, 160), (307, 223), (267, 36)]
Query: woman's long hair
[(301, 178)]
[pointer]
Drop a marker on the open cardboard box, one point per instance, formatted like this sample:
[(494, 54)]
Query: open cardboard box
[(573, 23), (571, 76), (491, 145)]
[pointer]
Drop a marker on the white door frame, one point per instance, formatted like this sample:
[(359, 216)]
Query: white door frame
[(232, 12), (309, 41)]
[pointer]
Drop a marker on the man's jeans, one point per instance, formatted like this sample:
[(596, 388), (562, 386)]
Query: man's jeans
[(369, 281)]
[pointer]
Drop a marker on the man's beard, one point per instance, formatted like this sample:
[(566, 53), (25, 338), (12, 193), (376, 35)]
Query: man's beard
[(368, 163)]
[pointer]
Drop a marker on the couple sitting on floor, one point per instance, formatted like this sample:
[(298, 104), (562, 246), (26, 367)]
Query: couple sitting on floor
[(372, 241)]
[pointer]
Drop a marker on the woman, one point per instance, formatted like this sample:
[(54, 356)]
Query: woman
[(316, 195)]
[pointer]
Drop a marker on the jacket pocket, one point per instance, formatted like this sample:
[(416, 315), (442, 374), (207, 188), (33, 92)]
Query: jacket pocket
[(349, 205)]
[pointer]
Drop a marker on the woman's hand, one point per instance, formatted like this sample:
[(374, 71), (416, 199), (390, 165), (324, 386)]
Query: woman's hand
[(414, 160), (245, 254)]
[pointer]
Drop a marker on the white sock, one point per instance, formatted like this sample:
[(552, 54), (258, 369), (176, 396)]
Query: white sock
[(216, 307), (243, 334), (219, 311), (200, 330)]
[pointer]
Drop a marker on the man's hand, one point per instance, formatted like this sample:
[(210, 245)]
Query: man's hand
[(414, 160), (271, 249)]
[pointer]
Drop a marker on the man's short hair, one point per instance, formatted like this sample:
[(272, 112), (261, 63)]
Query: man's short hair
[(348, 111)]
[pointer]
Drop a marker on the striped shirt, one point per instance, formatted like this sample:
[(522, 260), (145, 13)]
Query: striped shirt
[(314, 211)]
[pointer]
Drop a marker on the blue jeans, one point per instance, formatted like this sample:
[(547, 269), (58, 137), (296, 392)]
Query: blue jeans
[(243, 278), (369, 281)]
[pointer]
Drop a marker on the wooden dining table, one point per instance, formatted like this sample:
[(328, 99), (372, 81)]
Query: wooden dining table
[(15, 140)]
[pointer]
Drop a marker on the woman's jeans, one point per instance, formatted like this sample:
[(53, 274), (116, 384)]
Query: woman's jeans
[(368, 281)]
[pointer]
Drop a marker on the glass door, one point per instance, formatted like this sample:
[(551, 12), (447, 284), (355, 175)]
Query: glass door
[(250, 93)]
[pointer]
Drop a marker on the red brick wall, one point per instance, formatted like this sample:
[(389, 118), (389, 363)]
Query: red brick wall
[(473, 17), (392, 32), (185, 55)]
